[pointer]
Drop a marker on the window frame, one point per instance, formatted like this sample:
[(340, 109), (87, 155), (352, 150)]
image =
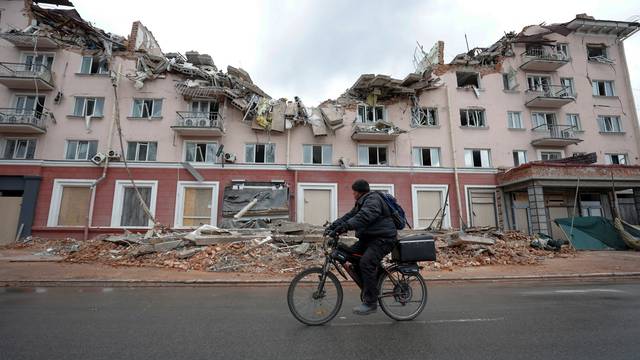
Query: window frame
[(98, 103), (602, 124), (323, 161), (56, 199), (608, 158), (196, 142), (605, 50), (180, 193), (571, 87), (89, 143), (609, 91), (142, 107), (467, 111), (101, 69), (118, 199), (541, 151), (378, 147), (29, 140), (578, 125), (255, 145), (563, 48), (137, 153), (361, 118), (418, 159), (488, 157), (540, 85), (430, 115), (510, 118), (518, 153)]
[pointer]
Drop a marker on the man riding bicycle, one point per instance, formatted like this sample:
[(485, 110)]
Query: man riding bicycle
[(377, 235)]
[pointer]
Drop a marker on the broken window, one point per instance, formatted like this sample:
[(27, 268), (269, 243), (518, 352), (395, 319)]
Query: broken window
[(519, 157), (19, 149), (133, 213), (317, 154), (596, 51), (477, 158), (574, 121), (514, 120), (538, 83), (147, 108), (74, 205), (94, 65), (204, 152), (260, 153), (372, 155), (610, 124), (602, 88), (468, 79), (472, 118), (142, 150), (543, 121), (617, 159), (81, 149), (550, 155), (426, 117), (424, 156), (567, 87), (509, 81), (30, 105), (563, 50), (88, 106), (368, 113)]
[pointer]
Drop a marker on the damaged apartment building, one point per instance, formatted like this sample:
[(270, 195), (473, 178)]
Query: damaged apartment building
[(102, 132)]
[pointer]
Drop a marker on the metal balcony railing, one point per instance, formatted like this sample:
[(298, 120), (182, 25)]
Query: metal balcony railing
[(198, 119), (544, 54), (553, 131), (25, 71), (551, 91), (13, 116)]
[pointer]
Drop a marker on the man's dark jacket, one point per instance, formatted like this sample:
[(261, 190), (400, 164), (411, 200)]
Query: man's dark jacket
[(370, 218)]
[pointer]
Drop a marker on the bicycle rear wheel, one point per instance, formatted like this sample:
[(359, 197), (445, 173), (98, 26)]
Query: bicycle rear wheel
[(309, 305), (402, 296)]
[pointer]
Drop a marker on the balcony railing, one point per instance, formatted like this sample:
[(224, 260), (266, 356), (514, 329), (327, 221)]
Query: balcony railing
[(541, 59), (19, 120), (26, 76), (549, 96), (555, 135), (198, 123), (544, 54)]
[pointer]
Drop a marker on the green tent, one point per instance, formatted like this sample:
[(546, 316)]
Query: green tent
[(592, 233)]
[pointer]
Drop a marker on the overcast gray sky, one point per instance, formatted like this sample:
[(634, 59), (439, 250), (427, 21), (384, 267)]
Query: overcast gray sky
[(316, 49)]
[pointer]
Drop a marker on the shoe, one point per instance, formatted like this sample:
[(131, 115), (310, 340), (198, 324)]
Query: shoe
[(365, 309)]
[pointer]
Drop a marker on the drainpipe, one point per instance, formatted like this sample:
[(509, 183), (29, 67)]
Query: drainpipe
[(454, 156), (634, 113)]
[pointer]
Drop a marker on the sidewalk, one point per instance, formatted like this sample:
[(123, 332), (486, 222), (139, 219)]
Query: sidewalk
[(15, 271)]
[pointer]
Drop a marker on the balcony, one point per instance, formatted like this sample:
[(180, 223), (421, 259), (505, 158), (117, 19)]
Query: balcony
[(29, 41), (549, 96), (26, 76), (22, 121), (552, 135), (191, 123), (538, 59), (377, 131)]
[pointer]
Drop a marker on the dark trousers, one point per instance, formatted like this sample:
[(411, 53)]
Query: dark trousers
[(372, 253)]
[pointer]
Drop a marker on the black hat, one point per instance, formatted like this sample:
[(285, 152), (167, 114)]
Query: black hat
[(361, 186)]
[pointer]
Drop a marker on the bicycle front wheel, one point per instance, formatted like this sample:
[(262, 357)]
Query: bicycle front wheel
[(312, 301), (402, 296)]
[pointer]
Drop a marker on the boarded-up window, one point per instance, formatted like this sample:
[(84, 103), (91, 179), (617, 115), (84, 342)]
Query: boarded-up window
[(197, 206), (132, 211), (483, 208), (74, 205), (429, 202)]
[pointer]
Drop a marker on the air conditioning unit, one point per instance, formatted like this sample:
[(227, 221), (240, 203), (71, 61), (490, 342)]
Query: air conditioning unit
[(188, 122), (98, 158), (230, 158), (112, 154), (203, 123)]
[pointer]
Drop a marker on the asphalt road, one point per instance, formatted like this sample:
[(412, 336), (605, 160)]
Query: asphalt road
[(463, 321)]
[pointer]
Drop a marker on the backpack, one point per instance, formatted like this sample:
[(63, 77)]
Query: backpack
[(397, 212)]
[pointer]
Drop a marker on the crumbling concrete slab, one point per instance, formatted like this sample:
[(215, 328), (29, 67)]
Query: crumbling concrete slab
[(462, 239)]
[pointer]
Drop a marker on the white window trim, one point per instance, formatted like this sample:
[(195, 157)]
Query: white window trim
[(446, 222), (610, 160), (181, 186), (56, 198), (265, 153), (378, 146), (379, 187), (184, 150), (118, 198), (24, 54), (66, 146), (84, 105), (151, 111), (421, 159), (467, 199), (490, 165), (526, 156), (375, 117), (519, 116), (540, 151), (3, 145), (322, 163), (316, 186)]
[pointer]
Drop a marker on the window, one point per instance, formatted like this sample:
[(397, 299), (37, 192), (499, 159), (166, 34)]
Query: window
[(142, 151), (519, 157), (36, 62), (543, 121), (81, 149), (563, 50), (426, 117), (514, 120), (88, 106), (472, 118), (550, 155), (509, 81), (94, 65), (372, 155), (370, 113), (538, 83), (147, 108), (317, 154), (204, 152), (603, 88), (426, 156), (477, 158), (609, 124), (205, 109), (69, 202), (127, 209), (468, 79), (595, 51), (196, 203), (260, 153), (30, 105), (618, 159), (574, 121), (567, 87), (19, 149)]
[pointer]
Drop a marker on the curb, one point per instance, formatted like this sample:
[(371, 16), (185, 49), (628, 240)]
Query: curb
[(280, 282)]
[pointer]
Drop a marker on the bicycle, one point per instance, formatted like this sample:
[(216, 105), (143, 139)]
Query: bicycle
[(315, 301)]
